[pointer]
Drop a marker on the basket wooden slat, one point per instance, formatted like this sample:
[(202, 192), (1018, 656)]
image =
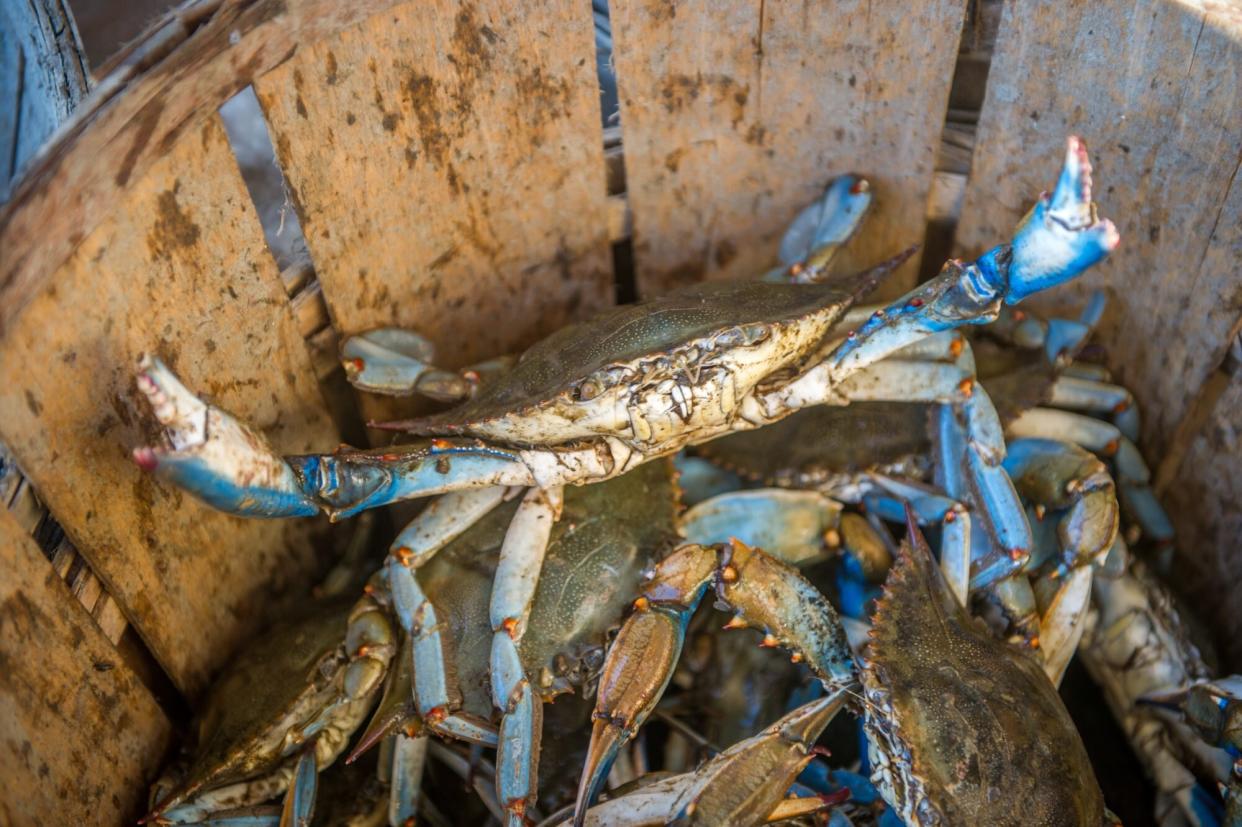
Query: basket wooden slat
[(1156, 88), (736, 114), (179, 266), (167, 83), (447, 164), (1203, 498), (81, 733)]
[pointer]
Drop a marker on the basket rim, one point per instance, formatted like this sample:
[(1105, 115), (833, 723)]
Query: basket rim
[(169, 80)]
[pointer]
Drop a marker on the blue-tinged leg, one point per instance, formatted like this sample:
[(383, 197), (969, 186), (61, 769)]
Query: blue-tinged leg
[(1055, 242), (513, 591), (788, 524), (299, 803), (439, 701), (409, 757), (397, 362), (969, 452), (822, 228)]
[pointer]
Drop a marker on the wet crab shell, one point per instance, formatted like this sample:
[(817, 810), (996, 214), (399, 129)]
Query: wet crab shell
[(965, 730), (689, 357), (817, 446)]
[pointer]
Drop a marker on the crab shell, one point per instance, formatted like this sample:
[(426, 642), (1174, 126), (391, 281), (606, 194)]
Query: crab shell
[(659, 373), (963, 729), (822, 445)]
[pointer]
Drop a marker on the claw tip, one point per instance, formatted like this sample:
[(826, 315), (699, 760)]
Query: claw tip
[(145, 459)]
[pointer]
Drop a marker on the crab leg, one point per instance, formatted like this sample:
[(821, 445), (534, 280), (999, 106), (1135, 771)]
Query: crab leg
[(792, 525), (1063, 478), (409, 757), (766, 594), (398, 362), (300, 797), (439, 703), (517, 575), (741, 785), (821, 229), (1106, 439), (889, 502)]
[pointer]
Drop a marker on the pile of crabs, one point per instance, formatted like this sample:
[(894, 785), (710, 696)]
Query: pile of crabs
[(765, 442)]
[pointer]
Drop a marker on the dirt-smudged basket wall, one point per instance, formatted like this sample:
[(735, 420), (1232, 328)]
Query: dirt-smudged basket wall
[(447, 166)]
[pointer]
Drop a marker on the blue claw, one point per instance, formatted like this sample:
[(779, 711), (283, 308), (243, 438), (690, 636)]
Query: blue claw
[(787, 524), (1061, 236), (1056, 241), (830, 220)]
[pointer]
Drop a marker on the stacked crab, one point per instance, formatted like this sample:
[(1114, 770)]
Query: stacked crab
[(802, 427)]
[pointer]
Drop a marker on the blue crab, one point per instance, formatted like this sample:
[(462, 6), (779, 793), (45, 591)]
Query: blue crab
[(1141, 649), (283, 710), (1007, 732), (594, 555)]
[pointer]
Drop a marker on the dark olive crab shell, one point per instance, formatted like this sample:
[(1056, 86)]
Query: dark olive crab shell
[(816, 446), (972, 731), (662, 337)]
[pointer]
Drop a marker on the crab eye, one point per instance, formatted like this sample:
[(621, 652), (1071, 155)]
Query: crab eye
[(755, 333), (590, 389)]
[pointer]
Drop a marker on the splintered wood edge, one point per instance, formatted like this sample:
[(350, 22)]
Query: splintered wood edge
[(174, 77)]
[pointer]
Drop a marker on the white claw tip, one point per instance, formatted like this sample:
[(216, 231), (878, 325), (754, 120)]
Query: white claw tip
[(1112, 238)]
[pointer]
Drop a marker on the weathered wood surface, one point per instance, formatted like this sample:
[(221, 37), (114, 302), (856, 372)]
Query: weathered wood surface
[(178, 267), (1203, 500), (80, 736), (1156, 90), (446, 162), (165, 85), (737, 113)]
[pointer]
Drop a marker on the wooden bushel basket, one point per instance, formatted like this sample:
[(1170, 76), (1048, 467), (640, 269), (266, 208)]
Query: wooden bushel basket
[(449, 172)]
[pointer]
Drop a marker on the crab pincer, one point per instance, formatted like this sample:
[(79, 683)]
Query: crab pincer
[(745, 784), (766, 594)]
